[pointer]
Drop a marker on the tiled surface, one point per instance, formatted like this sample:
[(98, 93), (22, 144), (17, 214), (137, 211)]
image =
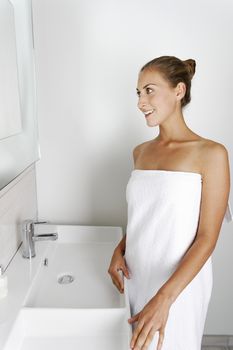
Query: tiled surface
[(17, 203), (217, 342), (214, 348)]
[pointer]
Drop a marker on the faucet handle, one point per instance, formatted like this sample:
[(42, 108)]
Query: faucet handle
[(40, 222)]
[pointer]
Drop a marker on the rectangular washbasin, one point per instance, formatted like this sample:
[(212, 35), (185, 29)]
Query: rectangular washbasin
[(86, 311), (79, 259)]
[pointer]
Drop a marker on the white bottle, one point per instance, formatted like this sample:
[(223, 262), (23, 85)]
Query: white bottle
[(3, 284)]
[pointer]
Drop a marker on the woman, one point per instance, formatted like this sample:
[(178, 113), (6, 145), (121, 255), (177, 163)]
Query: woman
[(177, 196)]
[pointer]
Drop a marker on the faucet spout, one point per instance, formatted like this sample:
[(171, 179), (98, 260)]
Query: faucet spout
[(29, 238)]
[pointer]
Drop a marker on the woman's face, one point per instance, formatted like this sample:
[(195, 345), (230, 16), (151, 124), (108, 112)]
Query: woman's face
[(156, 95)]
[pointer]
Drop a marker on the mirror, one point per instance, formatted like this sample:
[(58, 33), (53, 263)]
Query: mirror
[(19, 146), (10, 115)]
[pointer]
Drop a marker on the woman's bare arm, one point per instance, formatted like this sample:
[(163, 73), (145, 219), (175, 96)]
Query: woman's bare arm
[(121, 246)]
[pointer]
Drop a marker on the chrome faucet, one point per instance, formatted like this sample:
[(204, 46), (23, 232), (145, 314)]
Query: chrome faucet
[(29, 237)]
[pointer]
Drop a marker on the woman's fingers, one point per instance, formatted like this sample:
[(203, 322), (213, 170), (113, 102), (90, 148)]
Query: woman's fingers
[(161, 337), (153, 317), (118, 285), (118, 264), (144, 334), (125, 271), (120, 280), (149, 338), (117, 280), (136, 339)]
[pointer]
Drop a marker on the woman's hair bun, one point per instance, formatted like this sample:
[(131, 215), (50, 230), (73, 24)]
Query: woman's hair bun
[(191, 66)]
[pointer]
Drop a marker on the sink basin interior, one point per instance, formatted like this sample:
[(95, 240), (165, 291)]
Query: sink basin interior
[(91, 287), (85, 255)]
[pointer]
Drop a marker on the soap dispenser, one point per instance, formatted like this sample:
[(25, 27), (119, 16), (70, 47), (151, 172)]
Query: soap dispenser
[(3, 284)]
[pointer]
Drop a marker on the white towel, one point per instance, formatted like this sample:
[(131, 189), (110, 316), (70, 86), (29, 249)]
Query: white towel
[(163, 214)]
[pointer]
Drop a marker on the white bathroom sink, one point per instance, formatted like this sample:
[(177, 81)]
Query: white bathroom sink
[(89, 313), (83, 253), (72, 329)]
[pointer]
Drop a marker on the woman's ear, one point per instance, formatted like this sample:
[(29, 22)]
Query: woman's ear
[(180, 90)]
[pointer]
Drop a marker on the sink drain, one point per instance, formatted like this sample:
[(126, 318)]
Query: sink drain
[(65, 279)]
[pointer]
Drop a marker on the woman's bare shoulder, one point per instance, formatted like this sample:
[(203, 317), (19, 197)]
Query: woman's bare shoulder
[(213, 155), (209, 145), (137, 149)]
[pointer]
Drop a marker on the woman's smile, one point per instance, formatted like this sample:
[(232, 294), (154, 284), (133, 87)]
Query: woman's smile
[(148, 112)]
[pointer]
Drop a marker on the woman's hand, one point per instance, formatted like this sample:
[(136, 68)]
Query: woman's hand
[(152, 318), (118, 263)]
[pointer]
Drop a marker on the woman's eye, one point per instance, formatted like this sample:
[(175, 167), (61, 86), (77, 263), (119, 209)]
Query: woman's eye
[(148, 89)]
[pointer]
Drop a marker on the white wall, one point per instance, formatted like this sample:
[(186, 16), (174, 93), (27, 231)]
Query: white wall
[(88, 54)]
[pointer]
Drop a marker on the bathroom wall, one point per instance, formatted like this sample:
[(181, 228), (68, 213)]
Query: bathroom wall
[(88, 54), (18, 202)]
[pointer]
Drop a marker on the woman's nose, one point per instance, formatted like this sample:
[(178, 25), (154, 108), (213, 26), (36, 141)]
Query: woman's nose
[(142, 103)]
